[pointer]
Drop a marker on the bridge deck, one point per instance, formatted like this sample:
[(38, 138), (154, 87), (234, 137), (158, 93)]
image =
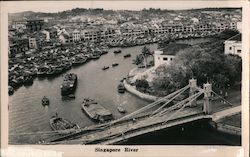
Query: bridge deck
[(131, 128)]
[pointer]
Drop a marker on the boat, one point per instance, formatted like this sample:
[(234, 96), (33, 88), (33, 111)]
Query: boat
[(95, 111), (127, 55), (95, 56), (121, 109), (121, 88), (79, 60), (117, 51), (28, 80), (105, 67), (58, 123), (42, 71), (115, 64), (69, 84), (45, 101), (10, 90)]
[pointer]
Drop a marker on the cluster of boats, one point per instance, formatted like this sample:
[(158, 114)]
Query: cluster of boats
[(23, 68), (107, 67), (93, 109)]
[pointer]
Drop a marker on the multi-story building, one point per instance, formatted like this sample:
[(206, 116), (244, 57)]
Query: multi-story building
[(76, 35), (32, 43), (233, 45)]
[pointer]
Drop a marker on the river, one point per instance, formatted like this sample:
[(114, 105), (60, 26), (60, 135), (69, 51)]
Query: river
[(27, 114)]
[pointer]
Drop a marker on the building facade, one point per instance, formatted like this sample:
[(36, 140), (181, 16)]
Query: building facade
[(233, 45), (161, 58)]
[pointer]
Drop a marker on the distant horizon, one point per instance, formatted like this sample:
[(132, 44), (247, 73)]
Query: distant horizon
[(50, 7)]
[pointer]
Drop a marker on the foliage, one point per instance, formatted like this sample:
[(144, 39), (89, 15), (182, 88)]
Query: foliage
[(206, 63), (138, 60), (226, 34), (141, 85)]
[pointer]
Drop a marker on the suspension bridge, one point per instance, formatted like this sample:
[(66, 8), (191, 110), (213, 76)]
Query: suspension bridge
[(188, 104)]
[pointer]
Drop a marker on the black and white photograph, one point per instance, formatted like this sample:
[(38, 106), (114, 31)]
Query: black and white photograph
[(105, 73)]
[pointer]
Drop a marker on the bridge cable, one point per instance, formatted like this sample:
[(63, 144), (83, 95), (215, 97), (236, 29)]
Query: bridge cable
[(157, 102), (222, 98), (183, 90), (193, 97), (197, 95)]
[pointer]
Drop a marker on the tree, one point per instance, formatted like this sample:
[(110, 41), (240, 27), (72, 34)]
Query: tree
[(138, 60), (141, 85), (145, 53)]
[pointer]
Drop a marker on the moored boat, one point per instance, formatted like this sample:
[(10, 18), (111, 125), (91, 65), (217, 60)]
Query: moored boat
[(121, 88), (58, 123), (10, 90), (95, 111), (69, 84), (121, 109), (117, 51)]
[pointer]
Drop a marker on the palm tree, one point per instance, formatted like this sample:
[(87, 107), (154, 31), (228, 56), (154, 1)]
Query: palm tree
[(145, 53), (138, 60)]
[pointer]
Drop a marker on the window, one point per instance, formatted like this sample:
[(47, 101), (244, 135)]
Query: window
[(238, 51), (165, 58), (230, 48)]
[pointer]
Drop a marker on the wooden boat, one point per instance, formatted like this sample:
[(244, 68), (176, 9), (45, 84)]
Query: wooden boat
[(95, 111), (115, 64), (10, 90), (105, 67), (121, 88), (69, 84), (117, 51), (58, 123), (45, 101), (127, 55), (121, 109)]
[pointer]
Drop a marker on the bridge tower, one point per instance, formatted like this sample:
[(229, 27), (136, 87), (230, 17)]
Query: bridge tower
[(207, 107), (193, 87)]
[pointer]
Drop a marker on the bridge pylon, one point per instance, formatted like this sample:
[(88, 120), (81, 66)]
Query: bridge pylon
[(207, 107), (192, 90)]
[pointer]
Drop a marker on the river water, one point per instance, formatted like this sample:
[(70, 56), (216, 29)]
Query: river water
[(27, 114)]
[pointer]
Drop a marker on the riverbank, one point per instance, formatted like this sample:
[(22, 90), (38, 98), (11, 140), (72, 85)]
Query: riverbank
[(134, 74), (228, 121)]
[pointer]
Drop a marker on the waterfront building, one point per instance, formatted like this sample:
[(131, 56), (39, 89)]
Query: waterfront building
[(233, 45), (76, 35), (162, 58)]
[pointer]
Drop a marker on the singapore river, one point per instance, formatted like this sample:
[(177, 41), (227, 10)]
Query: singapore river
[(27, 114)]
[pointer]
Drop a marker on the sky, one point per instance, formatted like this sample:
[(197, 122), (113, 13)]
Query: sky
[(55, 6)]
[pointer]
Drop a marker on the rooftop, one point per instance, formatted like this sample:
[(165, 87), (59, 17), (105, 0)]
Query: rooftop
[(174, 48), (237, 37)]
